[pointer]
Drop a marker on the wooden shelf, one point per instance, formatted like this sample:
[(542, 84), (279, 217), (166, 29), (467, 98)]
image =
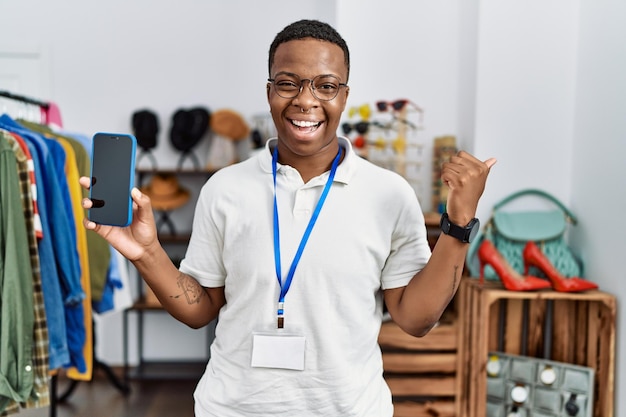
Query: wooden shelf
[(421, 371), (424, 409)]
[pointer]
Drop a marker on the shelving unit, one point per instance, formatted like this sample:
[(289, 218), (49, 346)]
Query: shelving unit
[(147, 304), (159, 369)]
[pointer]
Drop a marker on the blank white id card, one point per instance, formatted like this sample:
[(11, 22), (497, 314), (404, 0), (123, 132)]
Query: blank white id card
[(278, 351)]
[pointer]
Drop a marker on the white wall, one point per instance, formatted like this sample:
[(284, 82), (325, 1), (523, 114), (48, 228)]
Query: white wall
[(407, 49), (598, 168), (525, 95), (537, 84)]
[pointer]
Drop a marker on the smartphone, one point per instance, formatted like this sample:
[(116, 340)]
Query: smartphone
[(112, 178)]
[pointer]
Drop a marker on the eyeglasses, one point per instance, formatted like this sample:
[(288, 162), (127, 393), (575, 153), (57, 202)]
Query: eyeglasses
[(324, 87)]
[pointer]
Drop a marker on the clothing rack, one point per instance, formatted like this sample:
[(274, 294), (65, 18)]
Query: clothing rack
[(97, 364), (55, 399), (24, 99)]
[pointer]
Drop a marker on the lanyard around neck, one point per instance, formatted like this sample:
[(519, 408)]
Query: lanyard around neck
[(284, 287)]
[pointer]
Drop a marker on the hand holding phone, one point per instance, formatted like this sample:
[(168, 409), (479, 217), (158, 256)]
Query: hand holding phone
[(112, 178)]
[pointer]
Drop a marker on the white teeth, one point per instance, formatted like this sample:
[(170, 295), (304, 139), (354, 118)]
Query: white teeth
[(302, 123)]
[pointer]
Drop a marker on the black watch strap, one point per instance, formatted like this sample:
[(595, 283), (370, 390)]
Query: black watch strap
[(464, 233)]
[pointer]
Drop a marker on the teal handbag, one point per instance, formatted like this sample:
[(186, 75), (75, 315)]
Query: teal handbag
[(509, 231)]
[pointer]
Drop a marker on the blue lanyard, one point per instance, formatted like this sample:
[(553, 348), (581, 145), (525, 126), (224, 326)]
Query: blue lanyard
[(284, 288)]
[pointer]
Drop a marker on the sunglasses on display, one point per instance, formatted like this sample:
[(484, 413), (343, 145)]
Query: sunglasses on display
[(364, 111), (360, 127), (396, 105)]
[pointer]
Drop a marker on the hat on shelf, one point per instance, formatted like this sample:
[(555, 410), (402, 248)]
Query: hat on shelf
[(188, 127), (229, 124), (145, 127), (165, 192)]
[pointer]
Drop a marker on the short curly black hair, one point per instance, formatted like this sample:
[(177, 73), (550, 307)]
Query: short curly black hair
[(306, 28)]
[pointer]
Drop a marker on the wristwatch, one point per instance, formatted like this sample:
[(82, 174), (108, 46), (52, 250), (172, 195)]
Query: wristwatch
[(464, 233)]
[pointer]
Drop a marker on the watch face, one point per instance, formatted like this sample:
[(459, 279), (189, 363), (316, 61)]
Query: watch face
[(475, 226), (493, 366), (548, 375), (519, 394)]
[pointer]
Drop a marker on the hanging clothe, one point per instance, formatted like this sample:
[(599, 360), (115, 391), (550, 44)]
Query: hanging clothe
[(78, 371), (16, 285), (39, 395), (62, 237), (51, 282)]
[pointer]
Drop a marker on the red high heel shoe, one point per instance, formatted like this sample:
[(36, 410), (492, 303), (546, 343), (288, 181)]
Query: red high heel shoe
[(534, 257), (511, 279)]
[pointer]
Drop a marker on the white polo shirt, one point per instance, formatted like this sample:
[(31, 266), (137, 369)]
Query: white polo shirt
[(370, 235)]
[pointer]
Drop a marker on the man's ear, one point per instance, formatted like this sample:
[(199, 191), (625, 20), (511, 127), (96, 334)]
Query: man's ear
[(345, 99), (268, 91)]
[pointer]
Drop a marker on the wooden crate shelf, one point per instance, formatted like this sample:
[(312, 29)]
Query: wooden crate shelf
[(423, 363), (421, 371), (424, 409), (576, 328)]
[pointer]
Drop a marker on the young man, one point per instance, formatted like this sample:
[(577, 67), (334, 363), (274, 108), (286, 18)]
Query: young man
[(296, 248)]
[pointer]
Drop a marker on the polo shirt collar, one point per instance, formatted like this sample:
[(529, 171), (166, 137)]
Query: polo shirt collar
[(345, 170)]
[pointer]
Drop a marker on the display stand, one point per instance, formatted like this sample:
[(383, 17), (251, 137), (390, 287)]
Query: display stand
[(147, 304), (98, 364), (575, 328), (55, 398)]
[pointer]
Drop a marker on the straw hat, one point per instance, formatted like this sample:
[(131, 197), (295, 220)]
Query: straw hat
[(229, 124), (165, 193)]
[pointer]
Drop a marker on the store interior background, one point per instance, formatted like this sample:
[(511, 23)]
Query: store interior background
[(539, 84)]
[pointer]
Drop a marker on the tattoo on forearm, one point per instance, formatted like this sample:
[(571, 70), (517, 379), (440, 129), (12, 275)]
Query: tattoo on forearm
[(190, 288), (455, 279)]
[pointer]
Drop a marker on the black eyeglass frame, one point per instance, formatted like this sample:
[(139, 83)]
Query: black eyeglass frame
[(311, 86)]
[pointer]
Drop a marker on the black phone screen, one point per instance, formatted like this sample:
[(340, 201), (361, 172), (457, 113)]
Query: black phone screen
[(112, 178)]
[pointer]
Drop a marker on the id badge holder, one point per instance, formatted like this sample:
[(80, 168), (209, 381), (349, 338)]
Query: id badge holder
[(278, 349)]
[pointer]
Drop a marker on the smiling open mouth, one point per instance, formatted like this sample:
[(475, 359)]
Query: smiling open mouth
[(305, 125)]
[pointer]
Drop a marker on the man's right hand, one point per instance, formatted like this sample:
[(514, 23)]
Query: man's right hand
[(132, 241)]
